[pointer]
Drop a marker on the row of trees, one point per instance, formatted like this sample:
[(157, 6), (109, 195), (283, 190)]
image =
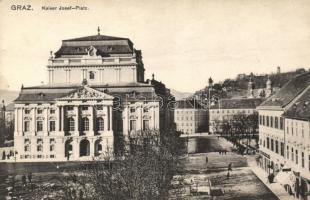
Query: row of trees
[(6, 131), (143, 171), (237, 127)]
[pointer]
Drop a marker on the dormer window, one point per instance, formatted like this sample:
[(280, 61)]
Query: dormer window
[(91, 75)]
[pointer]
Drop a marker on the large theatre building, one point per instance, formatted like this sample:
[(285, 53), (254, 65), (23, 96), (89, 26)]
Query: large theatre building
[(96, 96)]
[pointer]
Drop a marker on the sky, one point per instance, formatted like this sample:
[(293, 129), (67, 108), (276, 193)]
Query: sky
[(183, 42)]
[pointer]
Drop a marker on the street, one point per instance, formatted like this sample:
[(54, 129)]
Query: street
[(242, 183)]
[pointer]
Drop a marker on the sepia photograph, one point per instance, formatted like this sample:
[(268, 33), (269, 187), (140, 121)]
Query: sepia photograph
[(155, 100)]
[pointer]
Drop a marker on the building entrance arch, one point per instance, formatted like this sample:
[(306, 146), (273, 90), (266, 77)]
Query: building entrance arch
[(84, 148)]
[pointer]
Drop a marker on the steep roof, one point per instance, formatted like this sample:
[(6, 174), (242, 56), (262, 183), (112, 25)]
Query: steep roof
[(301, 108), (188, 104), (96, 38), (105, 45), (289, 91), (48, 93), (238, 103)]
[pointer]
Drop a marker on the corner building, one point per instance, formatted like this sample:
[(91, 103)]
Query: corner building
[(96, 97)]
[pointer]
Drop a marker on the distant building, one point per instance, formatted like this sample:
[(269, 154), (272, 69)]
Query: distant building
[(284, 133), (260, 92), (190, 117), (225, 109)]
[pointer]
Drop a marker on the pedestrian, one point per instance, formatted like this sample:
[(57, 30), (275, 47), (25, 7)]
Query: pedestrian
[(24, 181), (207, 160), (228, 175), (225, 151), (30, 177), (229, 167)]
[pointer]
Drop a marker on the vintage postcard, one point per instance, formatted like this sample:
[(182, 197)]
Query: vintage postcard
[(158, 99)]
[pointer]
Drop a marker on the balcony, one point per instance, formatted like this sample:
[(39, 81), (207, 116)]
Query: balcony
[(94, 61)]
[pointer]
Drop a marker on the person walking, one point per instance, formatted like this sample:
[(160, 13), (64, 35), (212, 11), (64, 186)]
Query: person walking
[(229, 167), (207, 160), (24, 181), (30, 177)]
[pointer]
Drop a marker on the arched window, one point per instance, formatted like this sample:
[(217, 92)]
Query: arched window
[(71, 124), (91, 75), (100, 124), (85, 124)]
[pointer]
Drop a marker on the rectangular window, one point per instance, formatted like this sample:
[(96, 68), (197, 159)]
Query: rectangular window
[(263, 120), (145, 110), (52, 126), (268, 143), (288, 152), (52, 111), (40, 148), (271, 141), (132, 125), (27, 111), (260, 120), (277, 146), (39, 111), (27, 148), (267, 120), (292, 154), (132, 110), (271, 122), (70, 108), (27, 126), (84, 108), (282, 149), (52, 147), (281, 123), (302, 159), (39, 125), (296, 155), (146, 125), (276, 122)]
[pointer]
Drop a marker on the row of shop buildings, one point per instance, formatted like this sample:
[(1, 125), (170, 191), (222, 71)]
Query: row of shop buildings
[(284, 136)]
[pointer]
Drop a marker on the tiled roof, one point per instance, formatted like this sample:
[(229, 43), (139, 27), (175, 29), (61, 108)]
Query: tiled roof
[(96, 38), (250, 103), (103, 51), (188, 104), (105, 45), (289, 91), (301, 108), (47, 93)]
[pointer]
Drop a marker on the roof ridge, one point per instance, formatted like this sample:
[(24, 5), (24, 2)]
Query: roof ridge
[(98, 37)]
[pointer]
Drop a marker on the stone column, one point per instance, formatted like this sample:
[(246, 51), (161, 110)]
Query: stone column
[(110, 118), (46, 128), (15, 121), (34, 110), (58, 125), (76, 119), (106, 122), (63, 118), (91, 120)]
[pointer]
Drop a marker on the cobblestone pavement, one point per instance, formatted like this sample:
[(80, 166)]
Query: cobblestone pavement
[(242, 183)]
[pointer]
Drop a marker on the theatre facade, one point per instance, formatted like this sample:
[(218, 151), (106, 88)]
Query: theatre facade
[(96, 97)]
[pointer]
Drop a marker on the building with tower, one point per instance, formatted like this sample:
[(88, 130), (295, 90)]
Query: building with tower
[(96, 97)]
